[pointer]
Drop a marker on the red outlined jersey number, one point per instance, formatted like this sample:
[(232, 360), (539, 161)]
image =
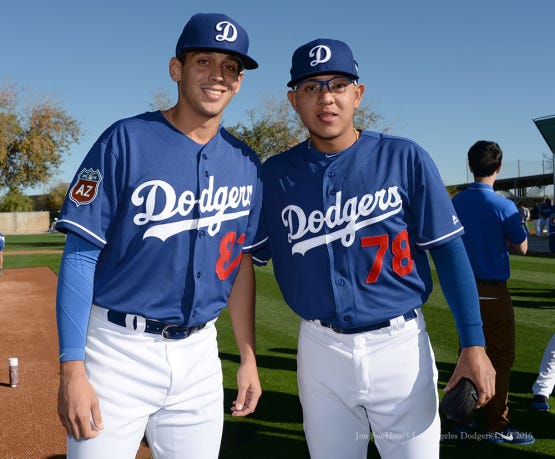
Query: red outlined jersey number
[(225, 265), (401, 262)]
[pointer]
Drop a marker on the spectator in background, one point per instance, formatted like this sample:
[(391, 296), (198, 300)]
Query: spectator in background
[(2, 243), (524, 214), (535, 217), (493, 229), (545, 212), (543, 386)]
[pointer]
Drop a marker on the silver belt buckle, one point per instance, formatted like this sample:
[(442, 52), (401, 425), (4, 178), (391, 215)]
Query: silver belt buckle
[(165, 330)]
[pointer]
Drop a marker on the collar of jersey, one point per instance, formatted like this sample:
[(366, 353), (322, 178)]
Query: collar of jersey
[(321, 156), (480, 186)]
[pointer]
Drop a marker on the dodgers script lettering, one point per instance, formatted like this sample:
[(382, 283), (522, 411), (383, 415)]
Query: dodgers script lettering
[(160, 202), (351, 213)]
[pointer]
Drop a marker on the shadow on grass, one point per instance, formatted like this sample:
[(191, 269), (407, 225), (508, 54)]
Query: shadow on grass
[(266, 361), (284, 350), (534, 298), (252, 437)]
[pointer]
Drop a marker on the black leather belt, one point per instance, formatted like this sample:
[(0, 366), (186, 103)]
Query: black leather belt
[(491, 282), (351, 331), (168, 331)]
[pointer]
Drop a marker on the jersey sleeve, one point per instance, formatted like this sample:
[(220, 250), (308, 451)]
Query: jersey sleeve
[(91, 205), (262, 253), (255, 236), (435, 216)]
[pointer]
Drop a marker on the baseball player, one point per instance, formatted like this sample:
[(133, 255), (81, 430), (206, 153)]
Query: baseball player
[(160, 219), (351, 215)]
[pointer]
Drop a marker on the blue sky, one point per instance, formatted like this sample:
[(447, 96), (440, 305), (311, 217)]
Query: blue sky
[(443, 73)]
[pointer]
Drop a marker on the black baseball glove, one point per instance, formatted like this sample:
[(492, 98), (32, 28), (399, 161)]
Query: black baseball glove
[(458, 404)]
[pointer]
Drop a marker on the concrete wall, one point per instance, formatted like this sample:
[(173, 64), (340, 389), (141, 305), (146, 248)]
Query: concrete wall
[(24, 222)]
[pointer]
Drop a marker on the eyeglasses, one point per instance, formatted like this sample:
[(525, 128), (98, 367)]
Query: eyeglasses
[(335, 85)]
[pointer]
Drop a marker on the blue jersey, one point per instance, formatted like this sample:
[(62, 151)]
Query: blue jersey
[(2, 241), (171, 216), (349, 233), (490, 220)]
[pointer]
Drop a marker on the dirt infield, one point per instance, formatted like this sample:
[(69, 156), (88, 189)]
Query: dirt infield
[(30, 428)]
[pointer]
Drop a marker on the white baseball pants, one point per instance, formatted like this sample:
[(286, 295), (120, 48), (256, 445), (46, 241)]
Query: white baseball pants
[(546, 378), (380, 384), (170, 388)]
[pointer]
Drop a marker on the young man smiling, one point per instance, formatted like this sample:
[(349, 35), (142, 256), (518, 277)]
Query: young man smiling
[(151, 260), (350, 216)]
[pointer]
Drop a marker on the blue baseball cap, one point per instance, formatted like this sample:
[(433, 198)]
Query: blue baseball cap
[(320, 57), (215, 32)]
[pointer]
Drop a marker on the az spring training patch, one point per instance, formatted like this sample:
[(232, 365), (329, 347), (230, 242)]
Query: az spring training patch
[(85, 189)]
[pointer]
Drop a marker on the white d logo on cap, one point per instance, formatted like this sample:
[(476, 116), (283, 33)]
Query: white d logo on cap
[(229, 31), (321, 54)]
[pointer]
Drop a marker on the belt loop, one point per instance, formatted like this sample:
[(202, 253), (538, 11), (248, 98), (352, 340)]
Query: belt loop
[(140, 323), (397, 323), (129, 321)]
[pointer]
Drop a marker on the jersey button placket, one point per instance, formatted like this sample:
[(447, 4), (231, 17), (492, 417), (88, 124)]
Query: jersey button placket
[(200, 245), (329, 192)]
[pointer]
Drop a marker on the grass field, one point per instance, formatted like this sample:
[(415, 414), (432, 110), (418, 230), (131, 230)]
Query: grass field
[(275, 430)]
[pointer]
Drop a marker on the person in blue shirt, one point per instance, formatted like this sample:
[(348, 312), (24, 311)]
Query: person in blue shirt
[(493, 229)]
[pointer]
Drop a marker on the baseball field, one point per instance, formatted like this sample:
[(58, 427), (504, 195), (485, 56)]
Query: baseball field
[(30, 428)]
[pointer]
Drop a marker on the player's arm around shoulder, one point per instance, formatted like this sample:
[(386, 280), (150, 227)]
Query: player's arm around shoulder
[(78, 406), (241, 305)]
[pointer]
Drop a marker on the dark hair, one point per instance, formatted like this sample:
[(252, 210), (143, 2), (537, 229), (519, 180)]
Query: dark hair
[(484, 158)]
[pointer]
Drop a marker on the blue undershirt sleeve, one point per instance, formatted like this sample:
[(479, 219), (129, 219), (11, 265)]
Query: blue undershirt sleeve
[(74, 296), (459, 288)]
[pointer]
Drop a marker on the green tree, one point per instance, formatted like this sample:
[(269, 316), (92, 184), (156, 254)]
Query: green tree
[(55, 197), (33, 139), (15, 201), (272, 128)]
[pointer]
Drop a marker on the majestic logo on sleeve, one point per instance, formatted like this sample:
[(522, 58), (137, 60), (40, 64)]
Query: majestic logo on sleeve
[(86, 188), (160, 203), (229, 31), (350, 216)]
